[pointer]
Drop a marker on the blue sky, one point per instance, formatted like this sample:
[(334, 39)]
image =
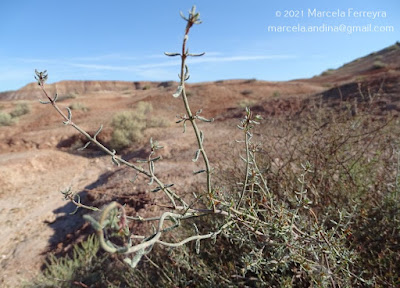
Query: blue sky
[(125, 40)]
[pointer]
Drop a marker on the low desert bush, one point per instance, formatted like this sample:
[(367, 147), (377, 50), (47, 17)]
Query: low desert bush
[(20, 109), (303, 205), (378, 64), (276, 94), (78, 106), (128, 126), (6, 119), (246, 103)]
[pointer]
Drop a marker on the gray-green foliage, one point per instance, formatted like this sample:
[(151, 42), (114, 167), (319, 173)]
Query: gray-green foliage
[(128, 126), (6, 119), (295, 210), (65, 271), (20, 109), (78, 106)]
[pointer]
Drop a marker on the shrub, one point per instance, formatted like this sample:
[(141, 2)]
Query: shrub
[(378, 65), (246, 103), (67, 97), (327, 72), (20, 109), (290, 213), (78, 106), (128, 129), (276, 94), (128, 126), (81, 266), (246, 92), (6, 119)]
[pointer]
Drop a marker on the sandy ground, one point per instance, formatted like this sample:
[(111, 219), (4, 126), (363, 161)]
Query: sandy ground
[(30, 201)]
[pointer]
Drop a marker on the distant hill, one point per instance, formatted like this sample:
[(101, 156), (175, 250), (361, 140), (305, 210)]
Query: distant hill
[(71, 88), (370, 65)]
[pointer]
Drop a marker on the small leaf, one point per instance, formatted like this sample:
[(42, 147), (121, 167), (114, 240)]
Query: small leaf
[(178, 91), (204, 119), (156, 159), (156, 189), (134, 178), (198, 172), (172, 54), (183, 16), (196, 156), (196, 55), (135, 260), (96, 225), (84, 147), (69, 113), (152, 168), (184, 126), (114, 159), (97, 132), (186, 71)]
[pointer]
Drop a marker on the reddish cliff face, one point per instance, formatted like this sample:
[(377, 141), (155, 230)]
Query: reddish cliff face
[(30, 91)]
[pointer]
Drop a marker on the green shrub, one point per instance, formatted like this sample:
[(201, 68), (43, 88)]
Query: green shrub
[(6, 119), (78, 106), (246, 103), (128, 126), (327, 72), (276, 94), (127, 129), (67, 96), (378, 64), (20, 109)]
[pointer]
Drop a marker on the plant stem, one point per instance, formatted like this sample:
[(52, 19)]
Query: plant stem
[(192, 119)]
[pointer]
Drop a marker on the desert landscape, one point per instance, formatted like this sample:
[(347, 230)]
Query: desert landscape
[(39, 157)]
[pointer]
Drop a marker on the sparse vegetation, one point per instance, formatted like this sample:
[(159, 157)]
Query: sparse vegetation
[(327, 72), (276, 94), (20, 109), (308, 204), (378, 64), (246, 92), (246, 103), (78, 106), (67, 97), (6, 119), (128, 126)]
